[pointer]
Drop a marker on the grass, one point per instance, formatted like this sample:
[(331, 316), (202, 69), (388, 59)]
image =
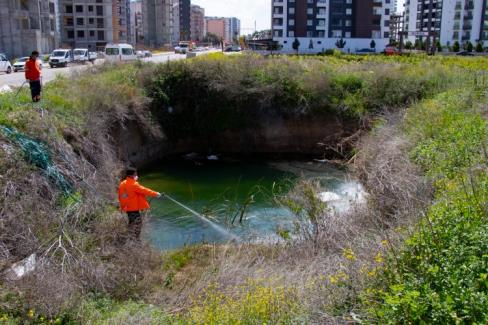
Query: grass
[(416, 253)]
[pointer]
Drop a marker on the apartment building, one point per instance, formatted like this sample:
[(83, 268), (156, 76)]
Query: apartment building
[(184, 14), (448, 20), (157, 20), (319, 24), (197, 23), (228, 29), (136, 25), (94, 23), (27, 25)]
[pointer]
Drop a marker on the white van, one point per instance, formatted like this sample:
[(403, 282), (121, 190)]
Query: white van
[(83, 55), (60, 58), (119, 52)]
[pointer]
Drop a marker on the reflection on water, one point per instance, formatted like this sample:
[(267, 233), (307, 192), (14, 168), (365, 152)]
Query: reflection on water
[(237, 196)]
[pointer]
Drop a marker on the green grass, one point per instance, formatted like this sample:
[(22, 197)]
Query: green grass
[(441, 274)]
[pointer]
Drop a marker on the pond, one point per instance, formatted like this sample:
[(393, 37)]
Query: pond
[(238, 198)]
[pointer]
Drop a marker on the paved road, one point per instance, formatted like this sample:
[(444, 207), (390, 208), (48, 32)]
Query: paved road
[(15, 79)]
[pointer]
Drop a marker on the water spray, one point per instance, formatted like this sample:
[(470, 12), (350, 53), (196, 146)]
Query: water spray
[(215, 226)]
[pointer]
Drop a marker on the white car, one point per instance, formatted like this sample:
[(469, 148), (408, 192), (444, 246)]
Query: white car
[(19, 65), (60, 58), (5, 65)]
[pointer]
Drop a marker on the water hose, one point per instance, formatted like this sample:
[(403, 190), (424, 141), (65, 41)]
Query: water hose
[(217, 227)]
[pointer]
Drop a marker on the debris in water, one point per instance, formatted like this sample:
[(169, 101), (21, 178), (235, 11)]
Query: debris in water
[(212, 157), (328, 197)]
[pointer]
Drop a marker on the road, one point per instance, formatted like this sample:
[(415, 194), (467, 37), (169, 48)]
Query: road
[(16, 79)]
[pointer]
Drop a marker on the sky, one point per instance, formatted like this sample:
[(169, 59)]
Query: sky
[(247, 11)]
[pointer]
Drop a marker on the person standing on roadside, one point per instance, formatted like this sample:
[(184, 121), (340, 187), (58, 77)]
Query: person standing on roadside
[(33, 76), (132, 199)]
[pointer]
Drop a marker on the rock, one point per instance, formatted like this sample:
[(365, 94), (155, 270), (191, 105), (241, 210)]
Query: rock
[(22, 268)]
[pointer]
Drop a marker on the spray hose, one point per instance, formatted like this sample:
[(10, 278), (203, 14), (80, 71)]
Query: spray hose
[(217, 227)]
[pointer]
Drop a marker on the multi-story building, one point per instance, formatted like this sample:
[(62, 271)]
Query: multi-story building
[(28, 25), (94, 23), (319, 24), (227, 29), (121, 20), (447, 20), (157, 19), (184, 21), (234, 28), (216, 26), (136, 25), (197, 23), (175, 22)]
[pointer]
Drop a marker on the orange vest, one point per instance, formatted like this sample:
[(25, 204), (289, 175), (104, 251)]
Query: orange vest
[(132, 196), (32, 70)]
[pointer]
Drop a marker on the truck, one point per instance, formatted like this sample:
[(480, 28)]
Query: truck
[(83, 56), (60, 58), (184, 47)]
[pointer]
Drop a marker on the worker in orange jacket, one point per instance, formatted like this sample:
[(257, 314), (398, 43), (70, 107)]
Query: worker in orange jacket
[(132, 199), (33, 75)]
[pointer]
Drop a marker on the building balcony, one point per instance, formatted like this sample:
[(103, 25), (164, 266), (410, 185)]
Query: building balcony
[(320, 27)]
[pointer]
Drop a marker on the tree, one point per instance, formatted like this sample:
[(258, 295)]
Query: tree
[(479, 47), (372, 44), (408, 45), (439, 46), (340, 44), (469, 47), (456, 47), (296, 45), (212, 38)]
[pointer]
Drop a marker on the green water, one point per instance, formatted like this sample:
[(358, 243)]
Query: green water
[(236, 196)]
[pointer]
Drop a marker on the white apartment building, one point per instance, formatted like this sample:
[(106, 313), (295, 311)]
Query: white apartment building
[(451, 20), (319, 24)]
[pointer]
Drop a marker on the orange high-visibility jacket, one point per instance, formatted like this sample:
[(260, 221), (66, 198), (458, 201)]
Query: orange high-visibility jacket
[(132, 196), (32, 70)]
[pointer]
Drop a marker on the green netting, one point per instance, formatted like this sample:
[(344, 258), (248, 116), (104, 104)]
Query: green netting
[(38, 154)]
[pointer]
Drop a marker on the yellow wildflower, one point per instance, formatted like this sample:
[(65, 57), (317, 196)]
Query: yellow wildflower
[(384, 242), (372, 273), (333, 279), (30, 314), (349, 254), (379, 258), (4, 317)]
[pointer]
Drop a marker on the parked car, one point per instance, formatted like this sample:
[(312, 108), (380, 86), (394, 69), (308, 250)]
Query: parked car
[(147, 54), (140, 54), (233, 48), (83, 56), (119, 52), (465, 53), (60, 58), (5, 65), (19, 65), (390, 50), (184, 47), (365, 51)]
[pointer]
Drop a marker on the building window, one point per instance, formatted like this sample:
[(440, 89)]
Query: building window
[(347, 34), (69, 9), (80, 34), (70, 34), (291, 33), (99, 10), (337, 33), (348, 11), (291, 22), (309, 11), (69, 21), (309, 22), (80, 21), (90, 8), (291, 10), (92, 33), (376, 34), (79, 8), (101, 35), (91, 21)]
